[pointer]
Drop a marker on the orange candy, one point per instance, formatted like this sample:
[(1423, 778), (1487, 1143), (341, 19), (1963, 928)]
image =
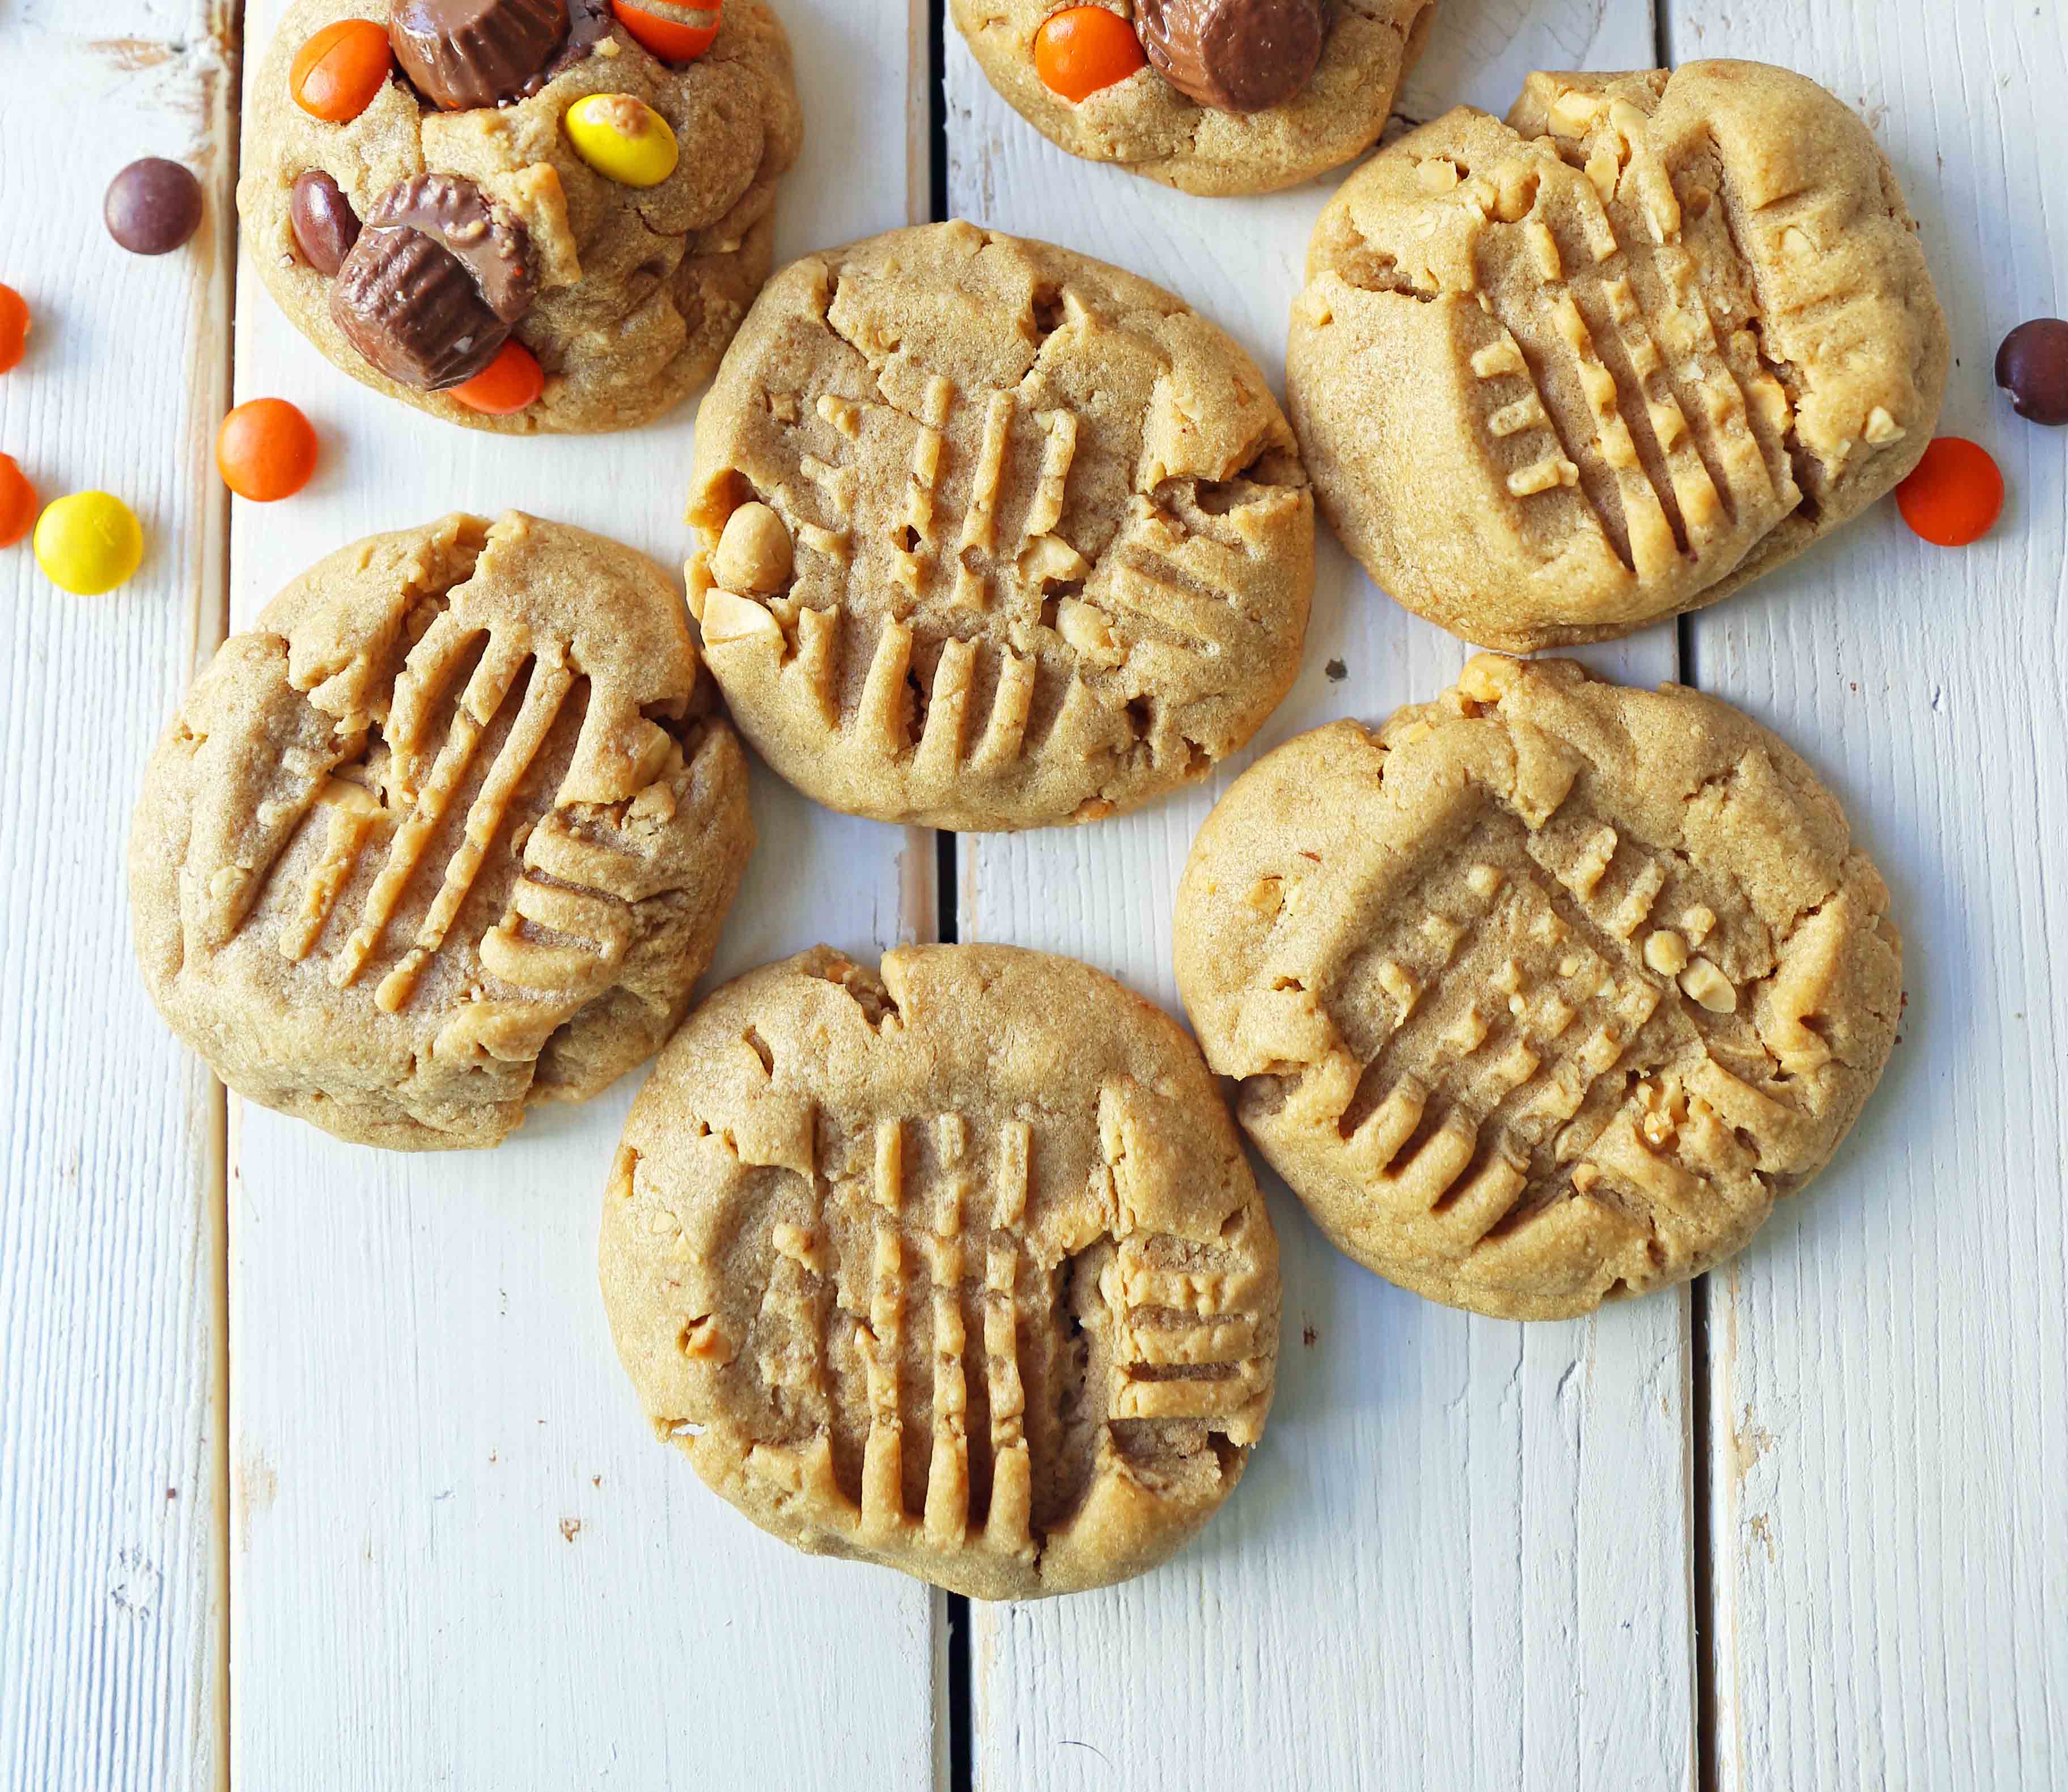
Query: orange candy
[(14, 327), (510, 382), (670, 40), (1081, 49), (266, 450), (18, 500), (1956, 493), (339, 71)]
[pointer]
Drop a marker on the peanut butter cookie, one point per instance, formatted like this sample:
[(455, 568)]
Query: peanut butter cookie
[(1214, 96), (1558, 378), (991, 535), (450, 831), (958, 1268), (1543, 993), (526, 220)]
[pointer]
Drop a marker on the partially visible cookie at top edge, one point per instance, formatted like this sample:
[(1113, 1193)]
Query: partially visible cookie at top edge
[(449, 831), (625, 294), (1543, 993), (991, 535), (956, 1266), (1211, 96), (1558, 378)]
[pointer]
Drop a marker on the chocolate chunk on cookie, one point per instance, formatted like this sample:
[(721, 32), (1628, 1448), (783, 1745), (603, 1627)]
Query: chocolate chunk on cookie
[(462, 54), (432, 282), (1240, 56)]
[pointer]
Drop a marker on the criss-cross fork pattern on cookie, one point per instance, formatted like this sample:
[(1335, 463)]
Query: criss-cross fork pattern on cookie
[(1571, 992), (1661, 330), (1048, 546), (423, 802), (1015, 1343)]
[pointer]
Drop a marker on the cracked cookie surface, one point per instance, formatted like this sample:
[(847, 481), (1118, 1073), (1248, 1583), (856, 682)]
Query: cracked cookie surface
[(639, 289), (992, 535), (958, 1268), (449, 830), (1544, 992), (1557, 378), (1146, 124)]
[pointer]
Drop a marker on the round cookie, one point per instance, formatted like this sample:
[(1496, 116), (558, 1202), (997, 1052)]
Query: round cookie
[(449, 830), (1176, 117), (1559, 378), (626, 295), (1545, 992), (991, 535), (958, 1268)]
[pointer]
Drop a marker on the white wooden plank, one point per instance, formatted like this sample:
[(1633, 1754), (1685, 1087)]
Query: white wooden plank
[(111, 1324), (1461, 1556), (460, 1559), (1888, 1360)]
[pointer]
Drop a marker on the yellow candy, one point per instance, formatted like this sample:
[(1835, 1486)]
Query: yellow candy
[(89, 543), (623, 139)]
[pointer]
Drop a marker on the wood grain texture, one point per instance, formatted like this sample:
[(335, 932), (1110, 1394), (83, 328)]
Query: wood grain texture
[(111, 1628), (460, 1559), (1888, 1359), (1461, 1556)]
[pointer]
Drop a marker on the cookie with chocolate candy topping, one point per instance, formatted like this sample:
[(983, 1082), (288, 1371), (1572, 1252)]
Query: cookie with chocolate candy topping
[(1234, 96), (633, 291)]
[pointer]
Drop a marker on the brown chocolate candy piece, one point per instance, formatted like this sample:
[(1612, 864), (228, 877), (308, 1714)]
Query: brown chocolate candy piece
[(1237, 55), (152, 206), (2032, 368), (463, 54), (430, 289), (325, 225)]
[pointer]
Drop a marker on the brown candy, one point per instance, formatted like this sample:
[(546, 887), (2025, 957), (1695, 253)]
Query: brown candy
[(152, 206), (2032, 368), (1236, 55), (325, 225), (430, 289), (462, 54)]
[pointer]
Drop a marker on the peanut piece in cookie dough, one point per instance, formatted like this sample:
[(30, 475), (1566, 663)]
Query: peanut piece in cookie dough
[(754, 552)]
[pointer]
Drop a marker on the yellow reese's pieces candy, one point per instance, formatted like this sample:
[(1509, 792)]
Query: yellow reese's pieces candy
[(623, 139), (89, 543)]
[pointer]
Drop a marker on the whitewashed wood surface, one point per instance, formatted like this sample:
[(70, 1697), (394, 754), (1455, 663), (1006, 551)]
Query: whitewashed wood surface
[(434, 1545), (111, 1242), (1463, 1558), (1889, 1362)]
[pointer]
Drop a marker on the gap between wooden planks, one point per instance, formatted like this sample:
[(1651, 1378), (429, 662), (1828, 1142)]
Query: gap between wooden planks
[(1462, 1557), (459, 1557)]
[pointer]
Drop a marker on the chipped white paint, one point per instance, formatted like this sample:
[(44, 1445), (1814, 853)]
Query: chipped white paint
[(1889, 1361), (462, 1560), (1461, 1558), (110, 1135)]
